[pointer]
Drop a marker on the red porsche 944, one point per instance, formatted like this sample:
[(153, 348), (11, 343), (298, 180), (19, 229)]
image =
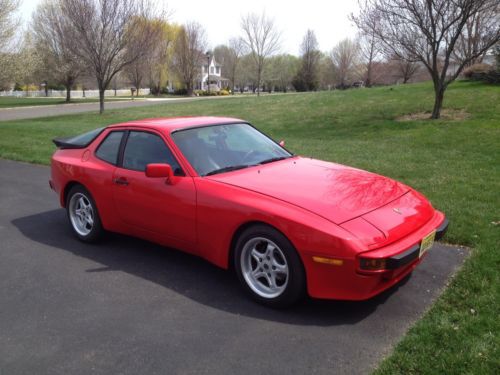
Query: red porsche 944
[(219, 188)]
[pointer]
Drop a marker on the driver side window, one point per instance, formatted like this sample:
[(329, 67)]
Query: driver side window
[(143, 148)]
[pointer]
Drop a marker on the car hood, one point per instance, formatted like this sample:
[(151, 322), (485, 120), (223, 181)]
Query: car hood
[(333, 191)]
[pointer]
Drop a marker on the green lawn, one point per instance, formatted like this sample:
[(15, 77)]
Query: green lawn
[(455, 163), (11, 102)]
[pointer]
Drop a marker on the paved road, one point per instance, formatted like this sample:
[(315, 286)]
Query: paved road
[(130, 307), (18, 113)]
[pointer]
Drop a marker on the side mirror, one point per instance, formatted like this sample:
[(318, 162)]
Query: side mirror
[(157, 170), (282, 143)]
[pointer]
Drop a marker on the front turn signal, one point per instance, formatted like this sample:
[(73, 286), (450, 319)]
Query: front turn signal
[(332, 261)]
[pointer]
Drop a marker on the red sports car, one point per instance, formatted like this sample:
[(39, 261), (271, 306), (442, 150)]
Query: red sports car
[(219, 188)]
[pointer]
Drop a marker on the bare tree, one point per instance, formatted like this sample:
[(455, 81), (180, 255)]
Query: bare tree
[(405, 69), (136, 72), (52, 40), (229, 56), (139, 69), (189, 54), (370, 48), (369, 52), (262, 39), (344, 57), (245, 74), (8, 21), (101, 34), (429, 30), (307, 76), (476, 29), (326, 72)]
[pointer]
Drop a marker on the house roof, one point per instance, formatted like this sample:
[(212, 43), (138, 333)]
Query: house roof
[(202, 60)]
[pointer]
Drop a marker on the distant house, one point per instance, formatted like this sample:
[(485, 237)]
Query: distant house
[(212, 71)]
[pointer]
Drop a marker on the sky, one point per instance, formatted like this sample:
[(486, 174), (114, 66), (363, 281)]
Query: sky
[(221, 18)]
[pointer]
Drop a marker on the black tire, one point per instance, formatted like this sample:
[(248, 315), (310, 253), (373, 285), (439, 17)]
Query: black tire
[(81, 228), (267, 290)]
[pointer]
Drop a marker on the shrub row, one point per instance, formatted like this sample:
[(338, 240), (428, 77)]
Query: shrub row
[(482, 72), (211, 93)]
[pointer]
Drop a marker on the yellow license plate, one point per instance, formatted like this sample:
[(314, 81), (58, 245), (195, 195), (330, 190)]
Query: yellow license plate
[(427, 243)]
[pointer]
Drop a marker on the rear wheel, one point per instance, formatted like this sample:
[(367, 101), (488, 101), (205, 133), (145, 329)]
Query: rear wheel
[(269, 267), (83, 215)]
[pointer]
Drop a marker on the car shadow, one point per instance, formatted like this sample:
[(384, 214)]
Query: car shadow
[(188, 275)]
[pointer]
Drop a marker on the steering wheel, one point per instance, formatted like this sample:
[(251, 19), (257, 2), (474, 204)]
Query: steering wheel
[(250, 155)]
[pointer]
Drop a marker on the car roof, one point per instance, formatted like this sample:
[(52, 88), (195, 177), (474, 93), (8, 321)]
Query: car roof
[(170, 124)]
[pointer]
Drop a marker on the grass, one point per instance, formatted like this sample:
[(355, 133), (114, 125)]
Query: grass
[(12, 102), (455, 163)]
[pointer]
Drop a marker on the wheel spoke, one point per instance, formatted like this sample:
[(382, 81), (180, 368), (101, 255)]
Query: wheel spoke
[(271, 280), (258, 273), (90, 220), (256, 255), (282, 268), (81, 203), (269, 249)]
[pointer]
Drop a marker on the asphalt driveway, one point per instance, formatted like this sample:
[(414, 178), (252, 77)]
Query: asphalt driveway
[(130, 307), (18, 113)]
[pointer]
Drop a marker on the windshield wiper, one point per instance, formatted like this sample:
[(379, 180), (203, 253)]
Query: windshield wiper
[(274, 159), (228, 169)]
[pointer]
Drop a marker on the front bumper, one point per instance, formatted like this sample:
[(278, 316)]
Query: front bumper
[(403, 259), (346, 282)]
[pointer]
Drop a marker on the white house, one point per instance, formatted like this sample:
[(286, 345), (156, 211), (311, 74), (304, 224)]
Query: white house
[(212, 72)]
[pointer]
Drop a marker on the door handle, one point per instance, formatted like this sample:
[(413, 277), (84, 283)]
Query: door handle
[(121, 181)]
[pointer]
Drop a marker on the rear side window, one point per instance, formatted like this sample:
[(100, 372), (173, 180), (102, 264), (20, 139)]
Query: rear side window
[(109, 148), (144, 148)]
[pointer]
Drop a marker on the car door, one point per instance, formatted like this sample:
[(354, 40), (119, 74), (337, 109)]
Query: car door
[(152, 204)]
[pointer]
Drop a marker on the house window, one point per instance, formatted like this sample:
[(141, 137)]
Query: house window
[(218, 70), (211, 70)]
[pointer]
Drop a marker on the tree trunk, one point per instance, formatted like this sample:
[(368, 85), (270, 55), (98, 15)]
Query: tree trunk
[(68, 93), (438, 101), (101, 100), (189, 89), (368, 82), (259, 72)]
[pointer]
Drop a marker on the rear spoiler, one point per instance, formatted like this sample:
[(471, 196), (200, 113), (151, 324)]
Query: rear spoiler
[(62, 143), (79, 141)]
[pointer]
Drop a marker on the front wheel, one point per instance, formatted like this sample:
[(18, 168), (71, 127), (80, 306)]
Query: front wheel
[(269, 267), (83, 215)]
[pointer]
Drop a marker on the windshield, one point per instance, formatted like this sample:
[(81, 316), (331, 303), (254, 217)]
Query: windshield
[(222, 148)]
